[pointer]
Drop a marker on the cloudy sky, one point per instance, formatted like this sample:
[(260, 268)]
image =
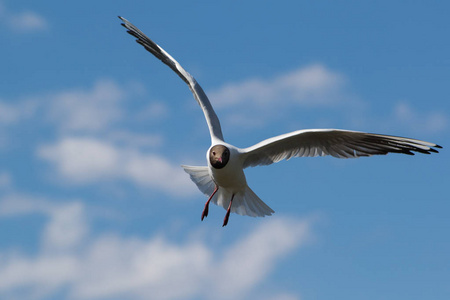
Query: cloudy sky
[(93, 130)]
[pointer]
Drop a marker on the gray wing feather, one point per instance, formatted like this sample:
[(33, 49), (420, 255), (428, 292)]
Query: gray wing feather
[(199, 95), (334, 142)]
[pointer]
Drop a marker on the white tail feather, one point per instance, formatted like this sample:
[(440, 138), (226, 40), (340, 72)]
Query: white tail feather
[(245, 203)]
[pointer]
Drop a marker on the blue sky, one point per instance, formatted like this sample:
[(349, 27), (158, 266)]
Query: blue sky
[(93, 130)]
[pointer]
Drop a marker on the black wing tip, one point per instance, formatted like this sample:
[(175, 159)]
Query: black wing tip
[(433, 150), (125, 23), (123, 20)]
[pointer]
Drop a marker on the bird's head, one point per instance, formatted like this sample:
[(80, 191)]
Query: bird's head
[(219, 156)]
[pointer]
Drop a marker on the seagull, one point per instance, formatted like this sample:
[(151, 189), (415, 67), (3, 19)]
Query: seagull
[(223, 179)]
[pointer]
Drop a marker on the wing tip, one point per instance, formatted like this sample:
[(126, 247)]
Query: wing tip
[(432, 150), (125, 21)]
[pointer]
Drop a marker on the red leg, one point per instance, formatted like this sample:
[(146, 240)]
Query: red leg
[(227, 216), (205, 210)]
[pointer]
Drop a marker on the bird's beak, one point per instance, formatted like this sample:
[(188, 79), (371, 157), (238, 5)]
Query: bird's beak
[(220, 159)]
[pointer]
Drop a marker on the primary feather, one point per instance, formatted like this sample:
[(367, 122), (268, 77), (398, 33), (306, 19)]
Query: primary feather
[(338, 143)]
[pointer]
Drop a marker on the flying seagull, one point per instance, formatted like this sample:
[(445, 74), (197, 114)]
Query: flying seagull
[(223, 179)]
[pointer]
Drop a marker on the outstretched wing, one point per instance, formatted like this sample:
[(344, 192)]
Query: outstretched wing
[(199, 95), (338, 143)]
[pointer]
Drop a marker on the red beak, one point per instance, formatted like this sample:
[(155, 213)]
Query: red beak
[(220, 159)]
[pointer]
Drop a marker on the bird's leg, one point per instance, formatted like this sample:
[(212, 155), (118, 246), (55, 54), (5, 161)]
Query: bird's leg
[(227, 216), (205, 210)]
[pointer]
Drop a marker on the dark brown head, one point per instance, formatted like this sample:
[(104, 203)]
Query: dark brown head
[(219, 156)]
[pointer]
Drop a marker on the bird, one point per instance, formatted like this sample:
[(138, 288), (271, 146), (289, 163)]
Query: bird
[(223, 179)]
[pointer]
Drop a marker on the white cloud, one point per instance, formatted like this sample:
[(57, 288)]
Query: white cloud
[(153, 267), (252, 102), (79, 110), (154, 110), (250, 260), (311, 85), (81, 114), (419, 121), (135, 140), (83, 159), (138, 268), (156, 171), (27, 21), (66, 229), (92, 110), (16, 204), (14, 113), (5, 180), (111, 266), (8, 113), (55, 264), (86, 160)]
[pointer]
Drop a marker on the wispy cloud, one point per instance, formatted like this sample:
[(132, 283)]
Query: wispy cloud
[(252, 102), (403, 117), (406, 115), (13, 113), (26, 21), (248, 266), (88, 160), (88, 110), (79, 117), (312, 85), (5, 180), (80, 110), (135, 140), (99, 108), (111, 266), (66, 226)]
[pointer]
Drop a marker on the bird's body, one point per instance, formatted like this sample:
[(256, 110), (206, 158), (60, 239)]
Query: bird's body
[(223, 179)]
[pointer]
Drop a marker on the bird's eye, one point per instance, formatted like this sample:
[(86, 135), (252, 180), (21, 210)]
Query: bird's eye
[(214, 152)]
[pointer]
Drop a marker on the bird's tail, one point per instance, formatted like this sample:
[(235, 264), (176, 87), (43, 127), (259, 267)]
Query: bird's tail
[(245, 203)]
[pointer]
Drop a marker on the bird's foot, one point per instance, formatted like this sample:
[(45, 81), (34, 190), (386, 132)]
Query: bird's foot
[(227, 215), (206, 209)]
